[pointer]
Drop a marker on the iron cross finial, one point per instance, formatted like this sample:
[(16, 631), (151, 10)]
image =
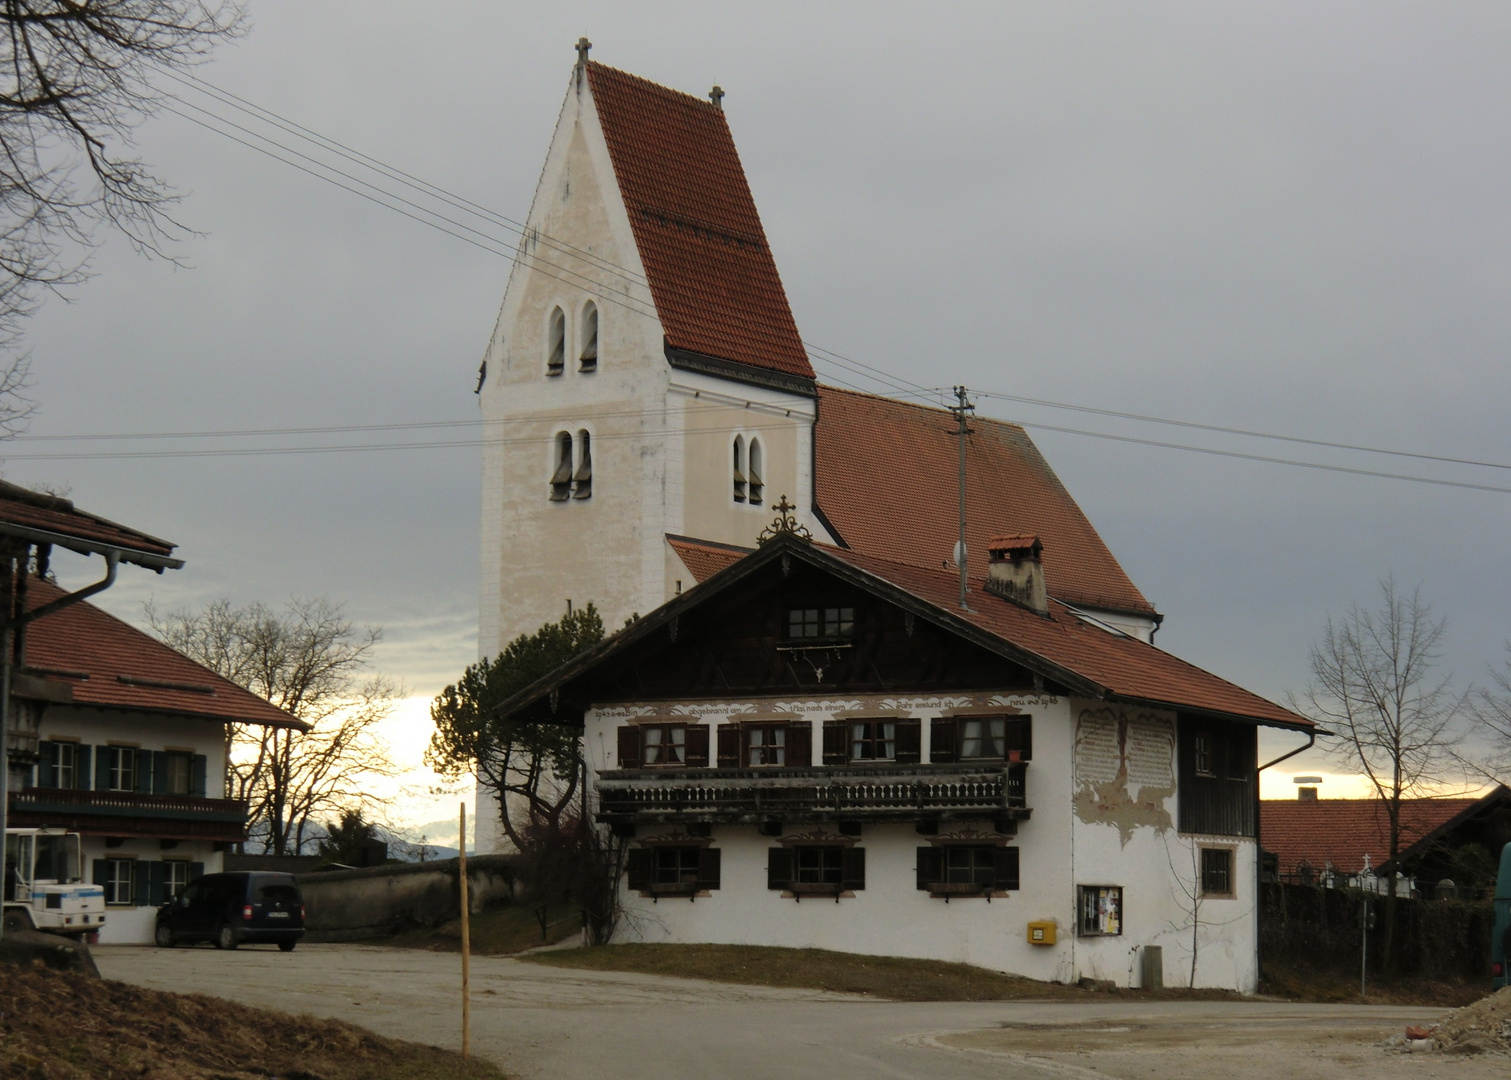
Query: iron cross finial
[(784, 522)]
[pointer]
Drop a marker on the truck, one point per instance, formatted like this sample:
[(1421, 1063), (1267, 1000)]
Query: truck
[(1500, 937), (44, 884)]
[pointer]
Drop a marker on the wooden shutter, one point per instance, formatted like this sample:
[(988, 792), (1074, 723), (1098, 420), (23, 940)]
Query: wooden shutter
[(82, 772), (909, 741), (640, 867), (629, 747), (102, 769), (836, 742), (199, 767), (47, 765), (141, 884), (1020, 736), (157, 877), (800, 744), (778, 868), (708, 868), (930, 866), (942, 739), (160, 773), (853, 876), (1006, 877), (101, 871), (729, 746), (697, 746), (144, 773), (196, 871)]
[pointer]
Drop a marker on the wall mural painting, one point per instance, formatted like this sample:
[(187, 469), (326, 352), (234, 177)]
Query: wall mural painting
[(1124, 769)]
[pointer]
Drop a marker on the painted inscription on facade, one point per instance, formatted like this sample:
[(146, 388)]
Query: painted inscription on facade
[(1124, 768)]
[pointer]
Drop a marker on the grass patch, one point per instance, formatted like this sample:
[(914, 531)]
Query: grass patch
[(501, 932), (66, 1026), (1299, 982)]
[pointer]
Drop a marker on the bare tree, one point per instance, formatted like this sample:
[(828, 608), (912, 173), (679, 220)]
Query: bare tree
[(1376, 687), (309, 661)]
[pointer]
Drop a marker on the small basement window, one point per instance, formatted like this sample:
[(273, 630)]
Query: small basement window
[(1100, 911), (1217, 872)]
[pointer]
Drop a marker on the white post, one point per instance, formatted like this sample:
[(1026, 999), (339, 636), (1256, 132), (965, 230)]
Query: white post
[(461, 871)]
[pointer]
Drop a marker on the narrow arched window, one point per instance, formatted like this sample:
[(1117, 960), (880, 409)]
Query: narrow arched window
[(556, 343), (739, 468), (589, 359), (582, 479), (561, 478), (753, 474)]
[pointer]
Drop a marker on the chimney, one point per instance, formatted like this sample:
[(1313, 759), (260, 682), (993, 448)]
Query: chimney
[(1306, 794), (1015, 572)]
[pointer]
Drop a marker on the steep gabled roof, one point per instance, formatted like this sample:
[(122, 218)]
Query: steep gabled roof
[(886, 479), (108, 664), (43, 518), (1338, 833), (711, 273)]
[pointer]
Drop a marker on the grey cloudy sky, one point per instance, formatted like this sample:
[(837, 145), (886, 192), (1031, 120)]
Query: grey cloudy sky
[(1286, 217)]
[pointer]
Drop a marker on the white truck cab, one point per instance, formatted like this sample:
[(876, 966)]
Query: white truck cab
[(44, 885)]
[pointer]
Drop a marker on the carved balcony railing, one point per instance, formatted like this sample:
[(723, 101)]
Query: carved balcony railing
[(874, 793), (125, 813)]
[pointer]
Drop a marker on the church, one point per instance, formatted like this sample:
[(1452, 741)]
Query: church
[(821, 729)]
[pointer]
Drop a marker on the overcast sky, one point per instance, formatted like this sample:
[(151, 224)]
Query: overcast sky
[(1289, 218)]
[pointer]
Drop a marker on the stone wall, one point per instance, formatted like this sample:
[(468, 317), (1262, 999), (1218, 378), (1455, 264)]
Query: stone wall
[(348, 905)]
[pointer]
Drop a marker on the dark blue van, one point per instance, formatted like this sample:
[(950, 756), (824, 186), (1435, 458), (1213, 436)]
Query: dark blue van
[(1500, 939), (227, 910)]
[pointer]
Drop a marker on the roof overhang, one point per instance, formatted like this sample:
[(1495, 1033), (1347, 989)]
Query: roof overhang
[(84, 546)]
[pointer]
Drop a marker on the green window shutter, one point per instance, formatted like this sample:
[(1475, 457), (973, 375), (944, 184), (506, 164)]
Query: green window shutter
[(82, 772), (196, 870), (778, 868), (159, 773), (640, 867), (47, 765), (101, 871), (157, 877), (144, 771), (141, 884), (1007, 869), (708, 868), (102, 768), (854, 875), (942, 739), (930, 866), (197, 778)]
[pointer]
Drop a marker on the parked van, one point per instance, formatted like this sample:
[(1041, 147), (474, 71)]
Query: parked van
[(229, 909), (1500, 939)]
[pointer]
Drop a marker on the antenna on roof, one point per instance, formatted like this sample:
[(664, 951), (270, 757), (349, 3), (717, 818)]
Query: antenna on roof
[(716, 95), (583, 45), (960, 410)]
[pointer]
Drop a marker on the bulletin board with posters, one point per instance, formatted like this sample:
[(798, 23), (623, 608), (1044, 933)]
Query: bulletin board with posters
[(1101, 910)]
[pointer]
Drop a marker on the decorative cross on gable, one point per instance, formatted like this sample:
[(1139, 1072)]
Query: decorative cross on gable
[(784, 522)]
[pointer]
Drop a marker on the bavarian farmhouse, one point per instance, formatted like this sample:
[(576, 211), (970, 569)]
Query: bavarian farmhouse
[(810, 736)]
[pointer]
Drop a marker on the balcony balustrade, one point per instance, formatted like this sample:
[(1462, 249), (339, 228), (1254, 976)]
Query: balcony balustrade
[(126, 813), (862, 793)]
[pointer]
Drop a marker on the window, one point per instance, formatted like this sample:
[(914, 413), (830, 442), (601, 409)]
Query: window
[(981, 738), (62, 765), (121, 774), (820, 623), (818, 865), (665, 745), (120, 882), (1101, 910), (1217, 872), (1203, 755), (677, 865), (175, 879), (970, 866), (757, 485), (873, 740), (739, 468), (582, 479), (561, 478), (967, 869), (556, 343), (672, 869), (822, 869), (179, 773), (589, 358), (765, 745)]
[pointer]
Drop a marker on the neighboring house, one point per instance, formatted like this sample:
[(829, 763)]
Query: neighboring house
[(818, 748), (1447, 846)]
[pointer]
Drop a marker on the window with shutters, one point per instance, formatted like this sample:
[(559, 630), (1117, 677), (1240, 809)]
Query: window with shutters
[(1217, 873), (873, 740), (556, 343), (582, 477), (120, 772), (765, 745), (60, 765), (664, 744), (178, 773), (119, 881), (981, 738), (960, 869), (739, 469), (175, 878), (672, 869), (588, 360), (561, 475), (1100, 910), (818, 865), (816, 869), (757, 467)]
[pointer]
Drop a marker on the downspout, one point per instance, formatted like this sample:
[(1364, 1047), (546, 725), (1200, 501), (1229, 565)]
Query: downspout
[(1311, 740), (7, 644)]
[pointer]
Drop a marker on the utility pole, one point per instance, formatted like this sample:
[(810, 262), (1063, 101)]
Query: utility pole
[(962, 407)]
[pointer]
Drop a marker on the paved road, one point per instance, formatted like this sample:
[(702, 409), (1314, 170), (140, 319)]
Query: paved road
[(543, 1023)]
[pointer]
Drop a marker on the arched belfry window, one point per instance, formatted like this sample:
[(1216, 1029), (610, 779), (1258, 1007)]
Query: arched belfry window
[(556, 343), (561, 477), (582, 479), (739, 468), (589, 359), (753, 474)]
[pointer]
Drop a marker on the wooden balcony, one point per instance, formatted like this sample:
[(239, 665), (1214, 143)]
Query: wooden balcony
[(852, 793), (125, 813)]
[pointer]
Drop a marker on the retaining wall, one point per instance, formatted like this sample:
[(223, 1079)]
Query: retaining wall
[(348, 905)]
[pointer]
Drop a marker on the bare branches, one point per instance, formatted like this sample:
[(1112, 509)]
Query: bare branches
[(1490, 708)]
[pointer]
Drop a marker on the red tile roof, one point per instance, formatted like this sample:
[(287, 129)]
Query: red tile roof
[(711, 274), (33, 510), (112, 665), (886, 478), (703, 559), (1338, 833)]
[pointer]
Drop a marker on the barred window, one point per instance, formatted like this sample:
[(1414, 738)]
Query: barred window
[(1217, 871)]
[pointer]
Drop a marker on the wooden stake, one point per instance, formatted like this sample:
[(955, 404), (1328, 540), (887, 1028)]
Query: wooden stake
[(461, 871)]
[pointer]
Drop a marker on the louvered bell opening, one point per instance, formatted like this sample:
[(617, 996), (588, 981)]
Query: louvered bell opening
[(582, 483), (757, 487), (589, 359), (739, 485), (557, 360), (561, 480)]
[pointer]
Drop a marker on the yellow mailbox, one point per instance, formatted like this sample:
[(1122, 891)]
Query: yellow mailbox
[(1041, 933)]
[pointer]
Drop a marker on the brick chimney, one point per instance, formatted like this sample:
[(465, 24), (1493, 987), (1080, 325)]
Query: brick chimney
[(1015, 572)]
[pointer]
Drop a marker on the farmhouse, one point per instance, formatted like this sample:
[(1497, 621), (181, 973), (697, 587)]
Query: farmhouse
[(822, 729)]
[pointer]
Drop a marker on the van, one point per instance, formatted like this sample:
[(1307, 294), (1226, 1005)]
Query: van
[(231, 909), (1500, 938)]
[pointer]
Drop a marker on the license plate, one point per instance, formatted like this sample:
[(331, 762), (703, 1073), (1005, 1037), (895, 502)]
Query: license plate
[(278, 914)]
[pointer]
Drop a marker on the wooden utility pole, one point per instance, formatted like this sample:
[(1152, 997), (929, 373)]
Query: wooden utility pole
[(461, 872), (960, 409)]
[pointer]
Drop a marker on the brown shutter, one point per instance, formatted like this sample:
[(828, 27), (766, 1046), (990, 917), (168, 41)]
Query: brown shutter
[(729, 746), (640, 868), (854, 873), (930, 866), (708, 868), (800, 744), (778, 868), (1020, 736), (909, 741), (629, 747), (942, 738), (697, 746), (1007, 869), (836, 742)]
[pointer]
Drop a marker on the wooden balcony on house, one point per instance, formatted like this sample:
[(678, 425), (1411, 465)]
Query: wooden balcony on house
[(650, 796), (126, 813)]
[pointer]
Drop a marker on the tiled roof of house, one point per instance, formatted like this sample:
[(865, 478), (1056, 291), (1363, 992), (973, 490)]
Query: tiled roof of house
[(50, 513), (703, 559), (109, 664), (711, 273), (1338, 833), (886, 478)]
